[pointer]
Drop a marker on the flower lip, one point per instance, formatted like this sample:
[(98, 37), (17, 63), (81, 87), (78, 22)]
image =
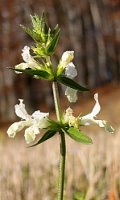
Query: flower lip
[(96, 109), (91, 117), (26, 55), (70, 71), (71, 94)]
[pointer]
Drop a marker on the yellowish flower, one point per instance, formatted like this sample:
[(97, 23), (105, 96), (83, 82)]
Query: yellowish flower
[(70, 119), (67, 57)]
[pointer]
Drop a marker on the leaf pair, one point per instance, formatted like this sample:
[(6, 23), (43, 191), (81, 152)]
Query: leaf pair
[(49, 76), (74, 133)]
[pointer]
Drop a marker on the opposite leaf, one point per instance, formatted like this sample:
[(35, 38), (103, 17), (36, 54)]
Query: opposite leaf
[(70, 83), (51, 47), (78, 136), (46, 136), (39, 73)]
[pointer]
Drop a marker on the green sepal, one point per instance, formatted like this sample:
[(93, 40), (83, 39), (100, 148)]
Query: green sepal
[(55, 30), (37, 23), (34, 72), (109, 128), (54, 125), (78, 136), (39, 50), (60, 70), (44, 28), (31, 33), (70, 83), (50, 133), (52, 45)]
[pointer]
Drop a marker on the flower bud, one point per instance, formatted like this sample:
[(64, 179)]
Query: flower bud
[(67, 57)]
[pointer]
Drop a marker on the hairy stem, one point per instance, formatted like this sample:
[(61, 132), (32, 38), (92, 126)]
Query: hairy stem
[(62, 144)]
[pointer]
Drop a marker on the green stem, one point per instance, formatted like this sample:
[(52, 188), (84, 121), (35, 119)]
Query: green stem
[(56, 100), (61, 167), (62, 144)]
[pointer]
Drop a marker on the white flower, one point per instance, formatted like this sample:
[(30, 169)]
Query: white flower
[(38, 120), (26, 55), (70, 71), (91, 117), (29, 61), (71, 94), (67, 57)]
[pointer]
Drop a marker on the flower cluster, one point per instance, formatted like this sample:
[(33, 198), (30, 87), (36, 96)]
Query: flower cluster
[(34, 123), (40, 66)]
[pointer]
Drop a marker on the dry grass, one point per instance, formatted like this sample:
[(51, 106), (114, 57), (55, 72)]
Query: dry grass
[(29, 174)]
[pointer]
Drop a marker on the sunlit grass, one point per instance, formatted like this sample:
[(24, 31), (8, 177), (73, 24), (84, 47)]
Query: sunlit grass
[(92, 172)]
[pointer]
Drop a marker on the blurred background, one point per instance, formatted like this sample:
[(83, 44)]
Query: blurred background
[(92, 29)]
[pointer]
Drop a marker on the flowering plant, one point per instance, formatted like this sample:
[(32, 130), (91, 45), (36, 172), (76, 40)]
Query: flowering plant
[(40, 66)]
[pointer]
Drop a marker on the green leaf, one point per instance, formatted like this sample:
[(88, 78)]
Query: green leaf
[(36, 21), (40, 73), (44, 27), (51, 47), (78, 136), (70, 83), (46, 136), (31, 33)]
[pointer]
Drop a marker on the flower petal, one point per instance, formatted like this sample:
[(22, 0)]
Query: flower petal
[(21, 111), (16, 127), (67, 57), (96, 109), (26, 55), (38, 115), (22, 66), (30, 134), (71, 94), (70, 71), (40, 119), (100, 123)]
